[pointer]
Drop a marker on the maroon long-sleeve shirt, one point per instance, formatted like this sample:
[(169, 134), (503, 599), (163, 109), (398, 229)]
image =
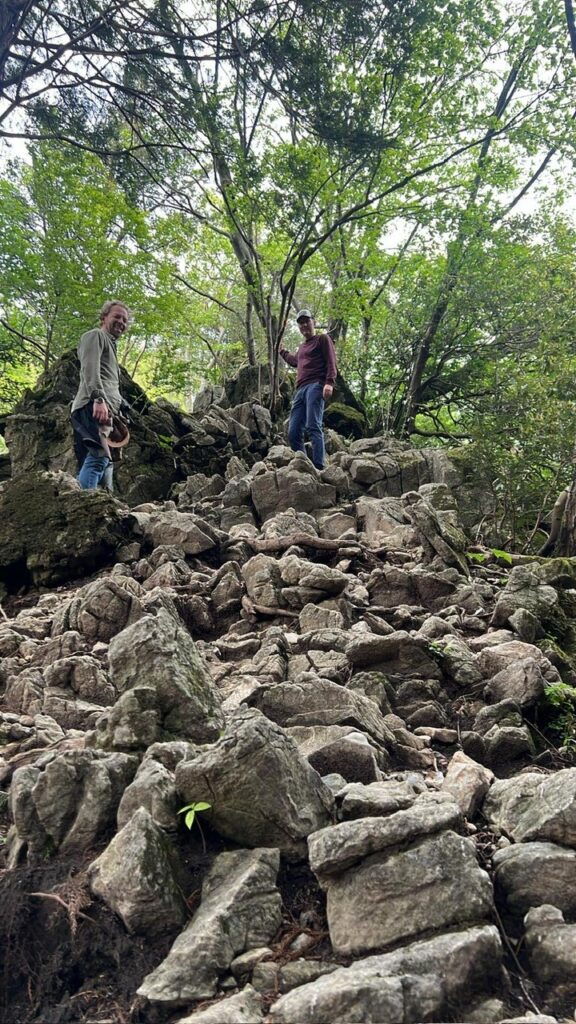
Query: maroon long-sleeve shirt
[(315, 360)]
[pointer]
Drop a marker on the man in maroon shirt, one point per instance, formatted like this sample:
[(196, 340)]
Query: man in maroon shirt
[(316, 364)]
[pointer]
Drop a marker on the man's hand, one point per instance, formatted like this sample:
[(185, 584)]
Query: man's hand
[(327, 392), (100, 411)]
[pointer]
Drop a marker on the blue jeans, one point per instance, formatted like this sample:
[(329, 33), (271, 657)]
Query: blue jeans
[(94, 469), (306, 415)]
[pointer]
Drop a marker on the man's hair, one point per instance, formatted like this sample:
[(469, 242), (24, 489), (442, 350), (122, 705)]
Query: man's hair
[(108, 306)]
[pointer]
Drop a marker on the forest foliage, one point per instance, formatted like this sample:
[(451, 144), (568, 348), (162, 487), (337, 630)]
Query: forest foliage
[(403, 169)]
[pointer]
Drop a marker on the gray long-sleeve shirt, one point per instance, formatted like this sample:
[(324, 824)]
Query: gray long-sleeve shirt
[(99, 370)]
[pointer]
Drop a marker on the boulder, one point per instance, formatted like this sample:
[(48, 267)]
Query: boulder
[(135, 877), (297, 485), (244, 1007), (337, 848), (535, 807), (377, 799), (530, 874), (158, 653), (52, 532), (399, 895), (67, 801), (396, 654), (317, 701), (551, 945), (240, 910), (337, 748), (467, 782), (100, 610), (461, 967), (233, 775)]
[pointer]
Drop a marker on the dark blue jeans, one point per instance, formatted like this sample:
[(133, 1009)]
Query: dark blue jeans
[(306, 415)]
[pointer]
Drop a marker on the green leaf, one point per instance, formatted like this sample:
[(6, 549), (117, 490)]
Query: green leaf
[(503, 555)]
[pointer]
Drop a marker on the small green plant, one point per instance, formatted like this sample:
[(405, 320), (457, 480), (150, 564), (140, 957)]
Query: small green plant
[(191, 811), (481, 556), (561, 705)]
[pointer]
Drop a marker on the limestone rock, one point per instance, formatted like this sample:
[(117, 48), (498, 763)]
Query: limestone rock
[(337, 848), (233, 775), (154, 790), (188, 531), (399, 895), (338, 748), (51, 531), (551, 945), (134, 877), (504, 734), (535, 807), (322, 702), (398, 653), (377, 799), (158, 652), (530, 874), (468, 782), (468, 962), (244, 1007), (69, 801), (297, 485), (101, 609), (522, 681), (525, 591), (240, 909)]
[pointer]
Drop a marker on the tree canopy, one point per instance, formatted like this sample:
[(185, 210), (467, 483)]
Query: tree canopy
[(402, 169)]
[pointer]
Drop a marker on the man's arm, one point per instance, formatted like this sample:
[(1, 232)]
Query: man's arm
[(331, 366), (289, 357), (89, 353)]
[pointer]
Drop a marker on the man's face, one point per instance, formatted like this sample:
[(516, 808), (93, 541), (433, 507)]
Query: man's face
[(115, 321), (306, 326)]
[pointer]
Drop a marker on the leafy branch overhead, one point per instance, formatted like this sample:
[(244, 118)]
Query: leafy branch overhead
[(401, 169)]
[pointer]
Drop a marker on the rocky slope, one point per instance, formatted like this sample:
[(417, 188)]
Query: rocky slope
[(385, 832)]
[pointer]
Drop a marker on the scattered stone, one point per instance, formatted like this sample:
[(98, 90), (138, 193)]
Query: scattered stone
[(551, 945), (244, 1007), (233, 776), (529, 874), (135, 877), (458, 967), (535, 807), (240, 910), (468, 782)]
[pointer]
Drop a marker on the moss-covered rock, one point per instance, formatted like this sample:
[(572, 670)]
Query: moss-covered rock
[(346, 420), (51, 531)]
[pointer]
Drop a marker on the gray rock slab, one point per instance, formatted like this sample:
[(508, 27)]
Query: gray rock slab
[(522, 681), (240, 909), (235, 776), (158, 652), (323, 702), (399, 895), (134, 876), (153, 788), (274, 977), (101, 609), (377, 799), (398, 653), (467, 781), (244, 1007), (68, 802), (334, 849), (467, 962), (535, 807), (551, 945), (338, 749), (530, 874)]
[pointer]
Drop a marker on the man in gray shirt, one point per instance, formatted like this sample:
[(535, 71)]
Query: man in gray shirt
[(98, 397)]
